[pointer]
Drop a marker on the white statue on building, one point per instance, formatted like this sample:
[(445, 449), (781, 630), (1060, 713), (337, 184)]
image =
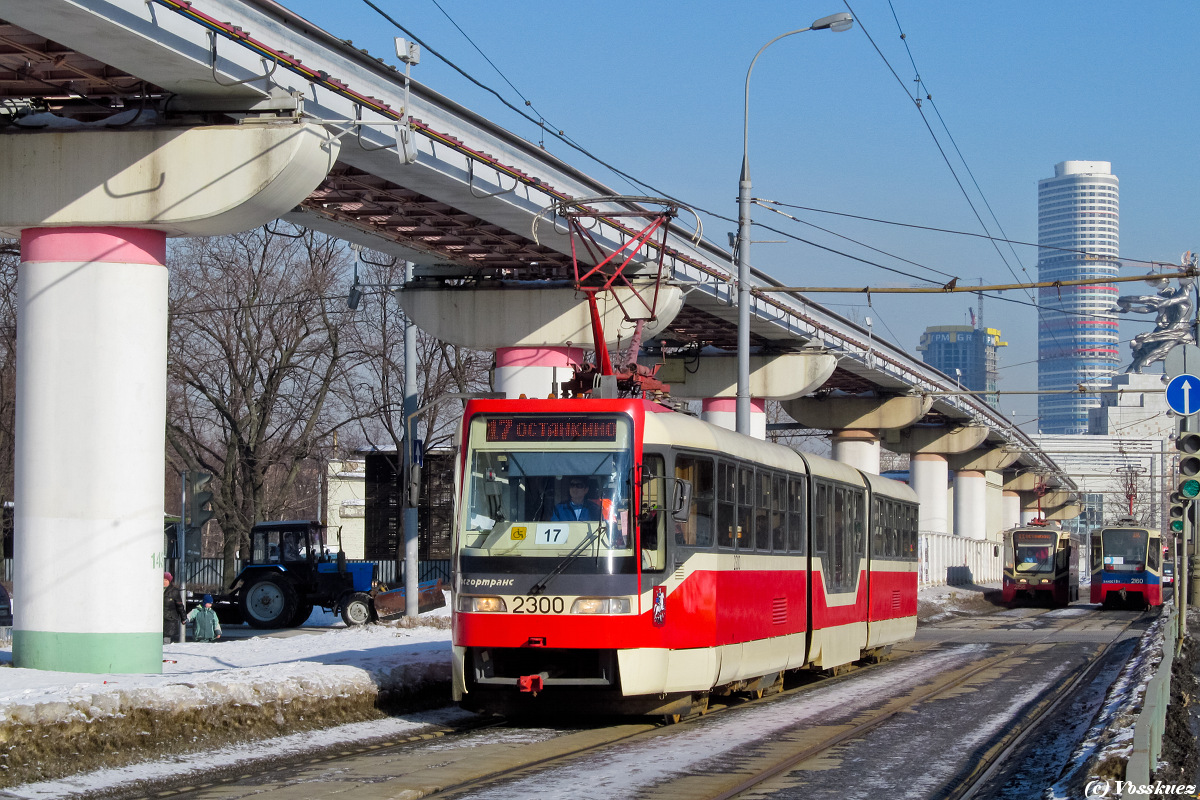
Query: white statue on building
[(1173, 308)]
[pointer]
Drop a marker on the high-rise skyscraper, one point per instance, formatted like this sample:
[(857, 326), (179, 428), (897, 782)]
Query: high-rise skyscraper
[(966, 353), (1078, 234)]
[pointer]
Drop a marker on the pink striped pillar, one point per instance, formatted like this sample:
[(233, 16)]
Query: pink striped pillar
[(90, 440), (722, 411), (534, 371)]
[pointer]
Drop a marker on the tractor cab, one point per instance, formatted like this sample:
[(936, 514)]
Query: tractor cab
[(290, 570), (287, 543)]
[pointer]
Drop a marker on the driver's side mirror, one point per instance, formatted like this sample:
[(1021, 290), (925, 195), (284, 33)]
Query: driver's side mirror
[(681, 500)]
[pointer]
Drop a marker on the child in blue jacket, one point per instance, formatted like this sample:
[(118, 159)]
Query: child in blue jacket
[(207, 626)]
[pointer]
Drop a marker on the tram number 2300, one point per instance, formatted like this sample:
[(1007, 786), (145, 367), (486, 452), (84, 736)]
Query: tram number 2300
[(538, 605)]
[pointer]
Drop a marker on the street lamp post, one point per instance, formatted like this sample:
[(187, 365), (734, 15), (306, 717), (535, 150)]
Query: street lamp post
[(834, 22)]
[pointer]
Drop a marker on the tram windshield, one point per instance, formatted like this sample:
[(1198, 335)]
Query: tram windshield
[(548, 487), (1124, 549), (1034, 551)]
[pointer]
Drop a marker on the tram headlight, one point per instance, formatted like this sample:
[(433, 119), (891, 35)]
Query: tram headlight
[(600, 605), (481, 604)]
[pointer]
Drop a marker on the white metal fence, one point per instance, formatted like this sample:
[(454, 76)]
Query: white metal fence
[(956, 560), (944, 559), (210, 571)]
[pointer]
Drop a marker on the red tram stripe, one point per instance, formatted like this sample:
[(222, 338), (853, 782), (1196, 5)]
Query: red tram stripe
[(708, 609)]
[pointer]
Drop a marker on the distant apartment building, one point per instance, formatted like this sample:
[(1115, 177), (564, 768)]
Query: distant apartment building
[(1078, 238), (965, 353)]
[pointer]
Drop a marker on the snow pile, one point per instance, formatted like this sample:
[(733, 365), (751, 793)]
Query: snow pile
[(52, 723), (1105, 749), (939, 603)]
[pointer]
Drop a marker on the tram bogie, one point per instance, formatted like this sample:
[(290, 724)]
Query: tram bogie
[(1039, 565), (613, 556), (1126, 566)]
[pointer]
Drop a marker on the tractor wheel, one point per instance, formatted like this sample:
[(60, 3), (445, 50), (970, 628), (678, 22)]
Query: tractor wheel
[(303, 612), (269, 602), (356, 609)]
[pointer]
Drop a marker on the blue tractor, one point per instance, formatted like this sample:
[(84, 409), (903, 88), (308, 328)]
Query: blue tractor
[(291, 570)]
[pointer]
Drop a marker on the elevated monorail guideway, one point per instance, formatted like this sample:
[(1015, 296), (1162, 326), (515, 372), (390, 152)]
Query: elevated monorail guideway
[(418, 175)]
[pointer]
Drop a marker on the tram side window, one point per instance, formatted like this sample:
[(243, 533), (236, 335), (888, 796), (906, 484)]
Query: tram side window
[(839, 539), (726, 503), (698, 530), (821, 512), (895, 530), (1153, 554), (878, 511), (652, 515), (911, 521), (778, 514), (1097, 552), (762, 510), (858, 527), (795, 508), (745, 513), (885, 529)]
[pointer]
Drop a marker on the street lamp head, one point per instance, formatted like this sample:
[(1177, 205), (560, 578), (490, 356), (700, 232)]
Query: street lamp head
[(837, 23)]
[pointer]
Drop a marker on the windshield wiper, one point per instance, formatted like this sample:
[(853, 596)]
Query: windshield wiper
[(568, 559)]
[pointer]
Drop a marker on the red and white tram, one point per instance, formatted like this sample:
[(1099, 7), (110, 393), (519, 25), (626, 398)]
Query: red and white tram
[(1039, 564), (693, 561), (1127, 565)]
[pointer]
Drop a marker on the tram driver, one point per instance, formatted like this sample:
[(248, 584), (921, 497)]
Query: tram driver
[(578, 506)]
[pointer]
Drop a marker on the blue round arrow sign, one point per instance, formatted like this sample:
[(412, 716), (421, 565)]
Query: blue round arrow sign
[(1183, 394)]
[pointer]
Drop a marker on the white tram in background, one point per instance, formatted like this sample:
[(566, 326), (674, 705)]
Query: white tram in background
[(703, 561)]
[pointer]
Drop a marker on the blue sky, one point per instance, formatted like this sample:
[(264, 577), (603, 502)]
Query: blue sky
[(657, 90)]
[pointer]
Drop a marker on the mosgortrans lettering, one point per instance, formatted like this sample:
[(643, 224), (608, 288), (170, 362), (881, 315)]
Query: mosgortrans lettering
[(480, 583)]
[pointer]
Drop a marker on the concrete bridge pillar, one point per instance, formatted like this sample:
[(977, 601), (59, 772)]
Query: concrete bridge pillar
[(1010, 509), (929, 476), (93, 209), (971, 498), (932, 448), (857, 448), (780, 377), (970, 504), (534, 371), (722, 411)]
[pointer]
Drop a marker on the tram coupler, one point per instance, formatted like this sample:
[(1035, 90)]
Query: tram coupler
[(531, 683)]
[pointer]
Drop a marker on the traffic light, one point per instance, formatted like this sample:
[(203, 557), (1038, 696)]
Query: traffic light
[(1188, 445), (197, 511), (1177, 512)]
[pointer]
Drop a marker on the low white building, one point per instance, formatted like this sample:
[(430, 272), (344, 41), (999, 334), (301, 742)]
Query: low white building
[(346, 494)]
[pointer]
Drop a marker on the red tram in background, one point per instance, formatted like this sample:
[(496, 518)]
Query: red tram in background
[(1127, 565), (1039, 565), (686, 561)]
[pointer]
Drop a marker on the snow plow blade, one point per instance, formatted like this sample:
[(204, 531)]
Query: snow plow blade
[(430, 595)]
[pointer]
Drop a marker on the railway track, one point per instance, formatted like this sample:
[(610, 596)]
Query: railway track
[(772, 746)]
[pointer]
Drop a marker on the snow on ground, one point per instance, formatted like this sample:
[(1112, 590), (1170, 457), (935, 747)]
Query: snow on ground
[(324, 646), (324, 653)]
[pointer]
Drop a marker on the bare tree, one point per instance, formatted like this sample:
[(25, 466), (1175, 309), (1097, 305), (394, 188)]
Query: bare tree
[(9, 258), (379, 377), (257, 368), (441, 368)]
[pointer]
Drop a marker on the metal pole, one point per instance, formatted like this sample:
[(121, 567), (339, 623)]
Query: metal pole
[(742, 257), (409, 406), (181, 548)]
